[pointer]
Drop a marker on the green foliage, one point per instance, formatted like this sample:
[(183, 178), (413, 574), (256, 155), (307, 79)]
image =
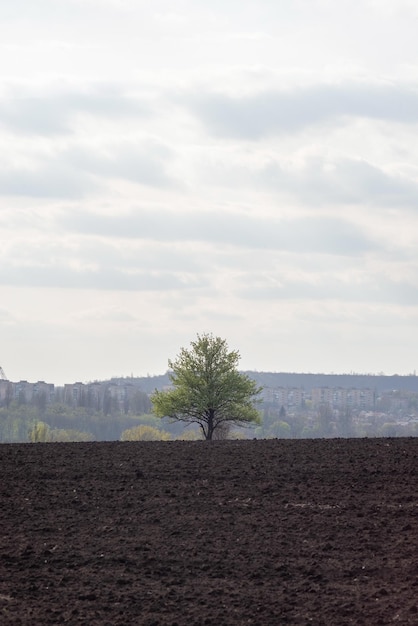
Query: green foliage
[(281, 430), (60, 434), (67, 423), (144, 433), (208, 390), (189, 435), (40, 433)]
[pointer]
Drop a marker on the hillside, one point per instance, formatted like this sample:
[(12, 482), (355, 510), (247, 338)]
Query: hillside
[(306, 381)]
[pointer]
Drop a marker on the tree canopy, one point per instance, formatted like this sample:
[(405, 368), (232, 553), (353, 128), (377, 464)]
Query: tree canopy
[(207, 388)]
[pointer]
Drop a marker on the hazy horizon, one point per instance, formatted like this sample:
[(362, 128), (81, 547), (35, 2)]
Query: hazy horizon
[(61, 383)]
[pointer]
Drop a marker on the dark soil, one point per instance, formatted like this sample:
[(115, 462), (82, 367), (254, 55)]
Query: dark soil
[(249, 532)]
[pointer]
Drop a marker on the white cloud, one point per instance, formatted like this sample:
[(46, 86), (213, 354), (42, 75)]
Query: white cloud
[(259, 115)]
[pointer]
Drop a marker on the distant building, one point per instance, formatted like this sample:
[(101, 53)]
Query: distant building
[(42, 388), (288, 397), (6, 391), (341, 398), (74, 394), (23, 391)]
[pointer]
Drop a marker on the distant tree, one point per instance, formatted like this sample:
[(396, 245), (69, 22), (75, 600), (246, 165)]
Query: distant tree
[(61, 434), (107, 402), (281, 429), (139, 403), (40, 433), (297, 423), (345, 422), (189, 435), (325, 415), (208, 390), (144, 433)]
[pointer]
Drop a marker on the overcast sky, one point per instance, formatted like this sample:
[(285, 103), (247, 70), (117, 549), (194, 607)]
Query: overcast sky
[(242, 167)]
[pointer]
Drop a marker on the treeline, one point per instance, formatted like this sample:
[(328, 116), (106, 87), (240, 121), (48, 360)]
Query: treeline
[(58, 422), (120, 410), (24, 423), (327, 422), (77, 419)]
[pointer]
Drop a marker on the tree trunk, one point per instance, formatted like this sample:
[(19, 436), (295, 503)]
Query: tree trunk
[(211, 426)]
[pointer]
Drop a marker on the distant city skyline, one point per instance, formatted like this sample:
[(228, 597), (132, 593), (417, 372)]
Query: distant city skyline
[(243, 168)]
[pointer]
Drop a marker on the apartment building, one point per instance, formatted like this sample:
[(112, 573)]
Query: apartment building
[(6, 391), (342, 398), (288, 397), (23, 391)]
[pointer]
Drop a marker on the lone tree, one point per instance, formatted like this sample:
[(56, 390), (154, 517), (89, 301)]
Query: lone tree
[(208, 390)]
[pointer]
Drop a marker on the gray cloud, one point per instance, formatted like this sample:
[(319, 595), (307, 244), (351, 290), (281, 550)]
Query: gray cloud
[(75, 172), (322, 234), (102, 279), (143, 164), (55, 113), (348, 181), (102, 254), (255, 116), (379, 290), (50, 181), (319, 182)]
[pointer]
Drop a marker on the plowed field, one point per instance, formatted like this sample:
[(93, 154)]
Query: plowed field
[(239, 532)]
